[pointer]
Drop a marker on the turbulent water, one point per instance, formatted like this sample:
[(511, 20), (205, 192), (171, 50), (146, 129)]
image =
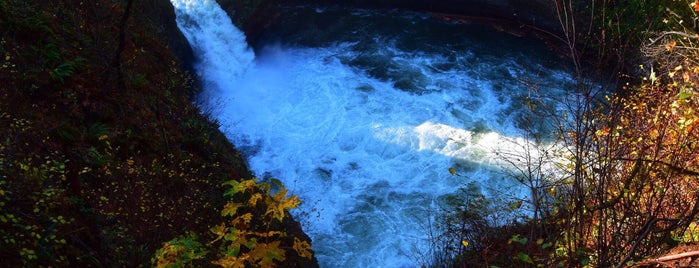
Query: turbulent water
[(363, 113)]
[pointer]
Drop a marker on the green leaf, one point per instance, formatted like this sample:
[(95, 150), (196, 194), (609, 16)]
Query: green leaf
[(238, 186), (516, 238), (525, 258), (276, 182), (585, 261), (684, 95), (515, 204), (251, 243)]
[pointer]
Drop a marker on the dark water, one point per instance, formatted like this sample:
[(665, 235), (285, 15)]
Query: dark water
[(362, 114)]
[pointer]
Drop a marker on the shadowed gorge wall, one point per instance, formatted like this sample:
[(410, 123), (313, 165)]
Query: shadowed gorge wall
[(252, 15), (103, 155)]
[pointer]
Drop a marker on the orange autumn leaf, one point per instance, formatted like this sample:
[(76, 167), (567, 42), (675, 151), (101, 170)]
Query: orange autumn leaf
[(670, 45)]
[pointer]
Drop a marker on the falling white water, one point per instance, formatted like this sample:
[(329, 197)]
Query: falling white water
[(367, 146)]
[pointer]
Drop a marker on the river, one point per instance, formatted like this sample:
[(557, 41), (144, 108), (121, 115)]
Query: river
[(365, 115)]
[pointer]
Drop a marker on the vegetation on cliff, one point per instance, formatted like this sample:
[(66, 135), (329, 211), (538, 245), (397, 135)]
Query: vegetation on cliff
[(103, 156)]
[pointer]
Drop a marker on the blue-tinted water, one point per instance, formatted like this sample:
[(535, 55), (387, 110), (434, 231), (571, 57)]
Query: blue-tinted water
[(362, 113)]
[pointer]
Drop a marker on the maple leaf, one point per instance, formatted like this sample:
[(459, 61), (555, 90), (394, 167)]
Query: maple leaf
[(219, 231), (237, 187), (303, 248), (230, 209), (267, 254), (230, 262), (281, 203), (254, 198)]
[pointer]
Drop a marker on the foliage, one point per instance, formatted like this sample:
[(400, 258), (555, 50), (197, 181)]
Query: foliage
[(633, 175), (179, 251), (101, 163), (40, 230), (472, 230), (625, 169), (246, 237)]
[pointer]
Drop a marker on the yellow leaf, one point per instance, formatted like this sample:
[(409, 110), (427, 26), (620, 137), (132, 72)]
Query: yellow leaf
[(452, 171), (265, 254), (247, 217), (303, 248), (244, 219), (239, 186), (230, 262), (273, 233), (219, 231), (230, 209), (282, 203), (254, 198), (464, 242)]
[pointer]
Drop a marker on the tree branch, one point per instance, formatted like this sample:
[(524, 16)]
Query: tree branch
[(116, 61), (667, 258), (669, 165), (663, 34), (678, 256)]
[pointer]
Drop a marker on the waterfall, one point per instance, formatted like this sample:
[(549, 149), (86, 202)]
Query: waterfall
[(219, 47), (365, 120)]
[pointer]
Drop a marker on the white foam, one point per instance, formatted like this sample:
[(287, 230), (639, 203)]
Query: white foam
[(220, 48), (369, 158)]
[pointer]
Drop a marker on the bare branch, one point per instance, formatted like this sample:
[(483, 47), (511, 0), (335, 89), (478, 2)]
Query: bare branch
[(669, 165), (664, 259), (666, 33), (678, 256)]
